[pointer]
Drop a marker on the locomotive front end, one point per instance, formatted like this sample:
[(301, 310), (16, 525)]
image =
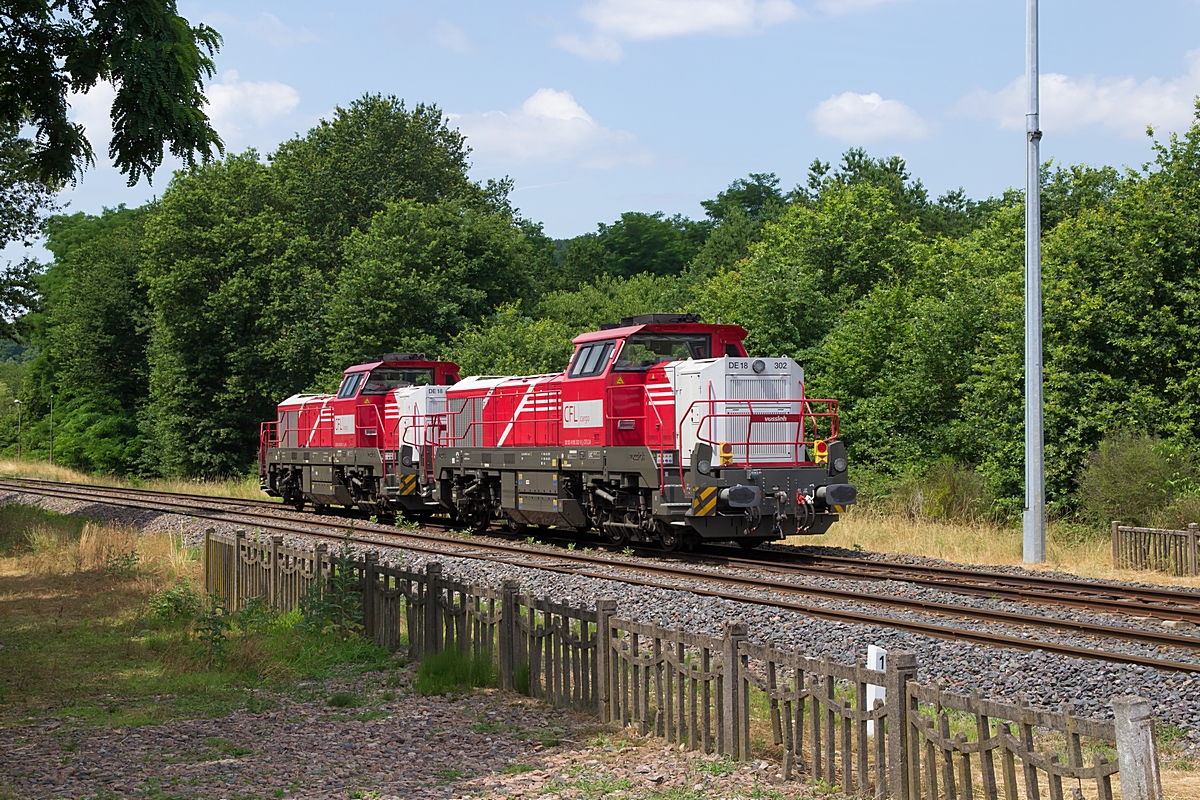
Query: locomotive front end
[(760, 460)]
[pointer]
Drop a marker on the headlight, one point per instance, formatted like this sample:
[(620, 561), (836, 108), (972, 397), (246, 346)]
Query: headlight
[(759, 366), (703, 467), (839, 464)]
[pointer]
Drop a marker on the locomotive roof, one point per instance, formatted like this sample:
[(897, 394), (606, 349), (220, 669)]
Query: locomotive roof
[(737, 331), (420, 363)]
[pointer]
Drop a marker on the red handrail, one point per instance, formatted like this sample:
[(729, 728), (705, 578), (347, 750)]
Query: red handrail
[(802, 421)]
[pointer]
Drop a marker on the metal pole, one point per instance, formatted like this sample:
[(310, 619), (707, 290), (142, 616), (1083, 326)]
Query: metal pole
[(1034, 540), (51, 430), (18, 402)]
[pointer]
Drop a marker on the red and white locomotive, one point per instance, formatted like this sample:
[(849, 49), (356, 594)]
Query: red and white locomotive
[(344, 448), (661, 430)]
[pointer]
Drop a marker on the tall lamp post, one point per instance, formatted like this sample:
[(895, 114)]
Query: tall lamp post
[(51, 430), (1034, 538), (18, 404)]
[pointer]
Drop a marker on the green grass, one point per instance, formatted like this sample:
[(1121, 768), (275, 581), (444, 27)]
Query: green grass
[(450, 672), (118, 647)]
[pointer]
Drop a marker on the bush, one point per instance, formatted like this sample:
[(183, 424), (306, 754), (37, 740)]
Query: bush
[(1132, 476), (1178, 514), (175, 602), (451, 671), (947, 491)]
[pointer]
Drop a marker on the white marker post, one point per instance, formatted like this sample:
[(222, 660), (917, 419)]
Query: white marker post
[(876, 660)]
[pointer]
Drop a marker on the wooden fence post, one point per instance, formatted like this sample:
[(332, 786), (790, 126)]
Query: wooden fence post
[(736, 632), (273, 599), (1193, 533), (1116, 543), (239, 538), (606, 609), (901, 668), (370, 561), (508, 632), (319, 551), (433, 608), (1136, 751)]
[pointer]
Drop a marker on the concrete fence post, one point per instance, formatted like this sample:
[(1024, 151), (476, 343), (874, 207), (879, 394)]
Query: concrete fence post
[(606, 609), (736, 632), (433, 608), (1137, 754), (235, 597), (508, 632), (370, 562), (901, 668)]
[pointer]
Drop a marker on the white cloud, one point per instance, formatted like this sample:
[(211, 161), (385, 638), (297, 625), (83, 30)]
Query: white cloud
[(614, 21), (1120, 104), (451, 37), (549, 126), (238, 107), (265, 26), (94, 112), (865, 118), (838, 7)]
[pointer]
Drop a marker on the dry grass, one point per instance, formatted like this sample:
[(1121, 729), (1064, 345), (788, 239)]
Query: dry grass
[(246, 487), (1069, 548)]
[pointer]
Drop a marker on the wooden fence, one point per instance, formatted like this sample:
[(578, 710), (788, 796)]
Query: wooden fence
[(1174, 552), (723, 695)]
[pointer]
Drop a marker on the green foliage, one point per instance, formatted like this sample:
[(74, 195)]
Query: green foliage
[(212, 633), (510, 343), (451, 262), (451, 672), (233, 295), (156, 60), (334, 607), (178, 602), (1134, 478)]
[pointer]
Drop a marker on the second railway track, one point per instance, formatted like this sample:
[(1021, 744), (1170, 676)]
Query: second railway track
[(673, 574)]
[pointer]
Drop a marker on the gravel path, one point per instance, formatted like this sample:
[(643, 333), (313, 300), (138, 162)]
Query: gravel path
[(1044, 679)]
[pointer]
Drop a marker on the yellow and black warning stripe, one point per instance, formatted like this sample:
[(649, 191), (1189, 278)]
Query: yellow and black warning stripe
[(705, 501), (408, 484)]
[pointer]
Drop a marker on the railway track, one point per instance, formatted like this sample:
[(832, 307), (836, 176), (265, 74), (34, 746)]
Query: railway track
[(674, 574)]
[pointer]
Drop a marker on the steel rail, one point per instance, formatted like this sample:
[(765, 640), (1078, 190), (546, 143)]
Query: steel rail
[(518, 556), (1162, 604)]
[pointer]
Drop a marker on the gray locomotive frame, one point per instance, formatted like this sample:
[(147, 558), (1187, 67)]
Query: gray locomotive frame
[(347, 476), (616, 490)]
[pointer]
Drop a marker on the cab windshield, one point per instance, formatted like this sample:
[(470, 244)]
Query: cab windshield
[(644, 350), (384, 380)]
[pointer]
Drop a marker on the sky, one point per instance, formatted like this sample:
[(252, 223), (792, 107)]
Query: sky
[(598, 107)]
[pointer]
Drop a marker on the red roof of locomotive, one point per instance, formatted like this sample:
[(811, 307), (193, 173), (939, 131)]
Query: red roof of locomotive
[(660, 327)]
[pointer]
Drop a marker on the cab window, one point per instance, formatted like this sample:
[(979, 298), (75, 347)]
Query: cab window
[(350, 384), (644, 350), (591, 359), (384, 380)]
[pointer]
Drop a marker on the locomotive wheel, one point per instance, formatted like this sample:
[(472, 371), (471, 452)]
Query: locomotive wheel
[(669, 537), (514, 527), (613, 536)]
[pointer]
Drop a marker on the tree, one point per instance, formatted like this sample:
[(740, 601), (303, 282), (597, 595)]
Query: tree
[(652, 243), (757, 197), (420, 274), (156, 60), (346, 169), (234, 297)]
